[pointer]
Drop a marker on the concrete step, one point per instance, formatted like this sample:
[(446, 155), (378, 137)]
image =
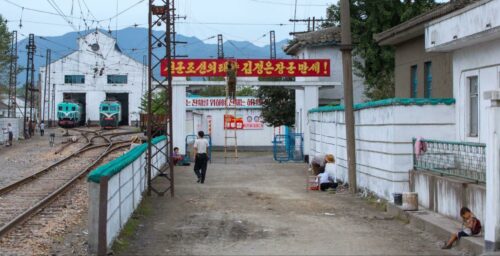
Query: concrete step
[(438, 225)]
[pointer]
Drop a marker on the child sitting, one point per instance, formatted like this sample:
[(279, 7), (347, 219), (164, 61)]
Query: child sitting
[(328, 179), (470, 226), (176, 156)]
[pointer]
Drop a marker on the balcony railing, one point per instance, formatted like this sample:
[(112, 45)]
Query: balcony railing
[(461, 159)]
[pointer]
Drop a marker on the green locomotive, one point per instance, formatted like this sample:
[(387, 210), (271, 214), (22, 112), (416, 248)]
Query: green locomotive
[(69, 114), (110, 114)]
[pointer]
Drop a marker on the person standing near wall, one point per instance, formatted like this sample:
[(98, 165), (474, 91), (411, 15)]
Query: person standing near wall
[(11, 134), (42, 128), (200, 157)]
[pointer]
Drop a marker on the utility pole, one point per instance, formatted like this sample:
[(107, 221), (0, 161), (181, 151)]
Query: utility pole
[(30, 70), (53, 107), (311, 24), (272, 44), (11, 108), (46, 92), (346, 48), (220, 47)]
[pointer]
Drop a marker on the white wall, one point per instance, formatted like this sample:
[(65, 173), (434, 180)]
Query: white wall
[(481, 60), (263, 137), (383, 141), (476, 23), (83, 61), (124, 194), (17, 128), (336, 74)]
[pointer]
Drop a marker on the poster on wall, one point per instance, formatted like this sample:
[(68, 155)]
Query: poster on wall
[(245, 122)]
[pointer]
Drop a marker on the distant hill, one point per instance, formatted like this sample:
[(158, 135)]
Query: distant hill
[(133, 42)]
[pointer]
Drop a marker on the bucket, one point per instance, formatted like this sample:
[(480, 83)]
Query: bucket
[(398, 198), (410, 201)]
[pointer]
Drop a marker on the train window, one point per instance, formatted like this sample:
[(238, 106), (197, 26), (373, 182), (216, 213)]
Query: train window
[(113, 108), (60, 108), (117, 79), (73, 108), (104, 108)]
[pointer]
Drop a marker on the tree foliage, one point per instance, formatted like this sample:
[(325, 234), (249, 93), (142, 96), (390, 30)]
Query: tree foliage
[(158, 107), (278, 104), (5, 38), (368, 17)]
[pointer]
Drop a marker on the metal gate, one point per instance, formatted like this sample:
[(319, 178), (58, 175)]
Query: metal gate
[(288, 147), (189, 147)]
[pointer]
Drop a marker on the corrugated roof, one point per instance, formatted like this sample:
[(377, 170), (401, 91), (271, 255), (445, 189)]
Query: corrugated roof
[(322, 37)]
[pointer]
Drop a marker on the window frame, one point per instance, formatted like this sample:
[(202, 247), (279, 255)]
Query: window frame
[(469, 99), (428, 79), (74, 79), (414, 81), (115, 76)]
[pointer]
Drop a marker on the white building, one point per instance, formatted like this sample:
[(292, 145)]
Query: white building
[(97, 71), (472, 35)]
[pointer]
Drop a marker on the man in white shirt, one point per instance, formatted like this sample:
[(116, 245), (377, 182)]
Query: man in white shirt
[(200, 157)]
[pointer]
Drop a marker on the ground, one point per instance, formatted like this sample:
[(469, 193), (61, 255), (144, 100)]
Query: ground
[(259, 207)]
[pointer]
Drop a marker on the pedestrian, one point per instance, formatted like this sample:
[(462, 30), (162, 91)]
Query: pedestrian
[(200, 157), (318, 164), (470, 226), (328, 178), (11, 134), (42, 128)]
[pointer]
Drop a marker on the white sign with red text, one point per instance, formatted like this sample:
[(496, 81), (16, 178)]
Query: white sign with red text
[(220, 102)]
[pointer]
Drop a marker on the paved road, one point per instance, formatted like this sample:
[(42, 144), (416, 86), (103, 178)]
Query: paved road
[(258, 207)]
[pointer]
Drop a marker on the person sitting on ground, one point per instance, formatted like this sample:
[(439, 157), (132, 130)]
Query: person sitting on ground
[(318, 164), (470, 226), (176, 156), (328, 178)]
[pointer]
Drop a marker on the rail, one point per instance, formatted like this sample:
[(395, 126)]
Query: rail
[(461, 159)]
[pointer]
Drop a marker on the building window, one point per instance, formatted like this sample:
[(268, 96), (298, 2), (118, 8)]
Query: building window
[(414, 82), (473, 106), (117, 79), (74, 79), (428, 79)]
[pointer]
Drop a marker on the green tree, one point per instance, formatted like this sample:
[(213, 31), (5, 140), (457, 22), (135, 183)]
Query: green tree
[(368, 17), (158, 107), (278, 103), (5, 37)]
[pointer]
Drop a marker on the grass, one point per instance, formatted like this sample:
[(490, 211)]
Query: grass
[(121, 243)]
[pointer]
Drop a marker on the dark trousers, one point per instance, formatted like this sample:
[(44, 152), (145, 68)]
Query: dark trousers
[(42, 132), (325, 186), (200, 166)]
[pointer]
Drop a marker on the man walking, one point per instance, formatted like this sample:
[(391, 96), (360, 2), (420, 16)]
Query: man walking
[(11, 134), (42, 128), (200, 157)]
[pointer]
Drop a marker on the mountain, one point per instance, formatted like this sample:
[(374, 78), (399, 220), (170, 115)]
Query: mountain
[(134, 42)]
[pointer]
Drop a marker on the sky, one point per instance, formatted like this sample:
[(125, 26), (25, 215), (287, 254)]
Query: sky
[(241, 20)]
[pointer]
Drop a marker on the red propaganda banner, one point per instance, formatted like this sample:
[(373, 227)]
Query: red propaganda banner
[(248, 67)]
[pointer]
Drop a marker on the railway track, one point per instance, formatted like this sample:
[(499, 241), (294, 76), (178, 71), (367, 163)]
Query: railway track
[(23, 199)]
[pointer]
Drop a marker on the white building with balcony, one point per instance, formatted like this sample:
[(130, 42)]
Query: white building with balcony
[(472, 36), (96, 71)]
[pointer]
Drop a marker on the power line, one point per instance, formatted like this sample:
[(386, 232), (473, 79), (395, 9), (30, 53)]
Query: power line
[(285, 3)]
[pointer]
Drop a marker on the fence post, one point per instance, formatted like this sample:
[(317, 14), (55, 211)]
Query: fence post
[(102, 246)]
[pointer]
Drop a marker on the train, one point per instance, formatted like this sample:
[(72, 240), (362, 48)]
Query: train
[(110, 114), (69, 114)]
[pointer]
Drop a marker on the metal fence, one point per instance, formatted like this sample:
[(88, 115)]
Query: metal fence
[(288, 147), (461, 159)]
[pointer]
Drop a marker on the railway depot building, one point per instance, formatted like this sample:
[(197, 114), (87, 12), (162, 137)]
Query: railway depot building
[(98, 70)]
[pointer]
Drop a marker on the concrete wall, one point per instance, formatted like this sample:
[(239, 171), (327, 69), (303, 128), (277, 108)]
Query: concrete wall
[(17, 128), (111, 61), (253, 138), (383, 141), (124, 193), (482, 61), (446, 195), (412, 52)]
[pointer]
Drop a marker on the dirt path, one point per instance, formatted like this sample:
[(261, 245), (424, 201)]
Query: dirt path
[(259, 207)]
